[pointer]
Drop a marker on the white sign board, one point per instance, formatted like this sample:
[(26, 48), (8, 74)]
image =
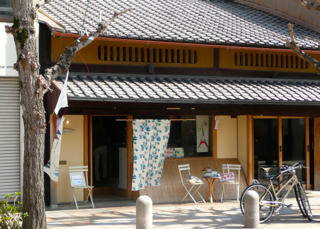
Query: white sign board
[(77, 179)]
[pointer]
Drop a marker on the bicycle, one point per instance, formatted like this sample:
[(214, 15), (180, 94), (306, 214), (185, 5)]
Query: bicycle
[(270, 200)]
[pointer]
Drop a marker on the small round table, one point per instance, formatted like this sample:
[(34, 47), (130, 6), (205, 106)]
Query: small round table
[(211, 181)]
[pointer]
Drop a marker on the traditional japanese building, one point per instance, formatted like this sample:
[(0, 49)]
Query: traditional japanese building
[(213, 63)]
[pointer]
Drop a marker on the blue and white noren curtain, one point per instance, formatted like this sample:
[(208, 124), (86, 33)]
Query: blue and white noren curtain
[(150, 140)]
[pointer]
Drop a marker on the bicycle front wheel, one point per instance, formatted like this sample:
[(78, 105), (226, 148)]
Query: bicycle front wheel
[(265, 195), (298, 198), (303, 201)]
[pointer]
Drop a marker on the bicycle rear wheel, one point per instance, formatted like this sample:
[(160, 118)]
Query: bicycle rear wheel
[(303, 201), (263, 192)]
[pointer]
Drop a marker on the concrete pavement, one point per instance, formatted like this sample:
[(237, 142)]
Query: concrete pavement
[(121, 215)]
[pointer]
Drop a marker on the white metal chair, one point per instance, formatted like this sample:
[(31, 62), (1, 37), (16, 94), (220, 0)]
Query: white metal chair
[(230, 168), (79, 180), (190, 181)]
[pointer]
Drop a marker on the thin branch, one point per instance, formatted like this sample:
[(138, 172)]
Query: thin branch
[(296, 49), (65, 59), (310, 5)]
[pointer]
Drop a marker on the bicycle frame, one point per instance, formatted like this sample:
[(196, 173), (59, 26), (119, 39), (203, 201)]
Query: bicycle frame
[(293, 180)]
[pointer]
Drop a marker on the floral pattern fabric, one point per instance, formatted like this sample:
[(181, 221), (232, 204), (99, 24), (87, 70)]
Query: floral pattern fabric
[(150, 140)]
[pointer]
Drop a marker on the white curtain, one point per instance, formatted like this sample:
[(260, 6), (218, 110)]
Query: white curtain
[(150, 140)]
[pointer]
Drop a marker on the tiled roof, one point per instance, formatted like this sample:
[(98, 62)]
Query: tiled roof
[(193, 21), (191, 89)]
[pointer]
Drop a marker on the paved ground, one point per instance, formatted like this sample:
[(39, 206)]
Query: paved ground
[(121, 214)]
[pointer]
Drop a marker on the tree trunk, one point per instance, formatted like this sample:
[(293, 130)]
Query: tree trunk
[(32, 91)]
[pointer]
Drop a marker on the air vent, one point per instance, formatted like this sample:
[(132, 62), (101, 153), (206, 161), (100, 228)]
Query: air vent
[(269, 60), (148, 55)]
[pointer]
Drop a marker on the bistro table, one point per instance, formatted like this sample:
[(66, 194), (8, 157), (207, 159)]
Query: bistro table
[(211, 181)]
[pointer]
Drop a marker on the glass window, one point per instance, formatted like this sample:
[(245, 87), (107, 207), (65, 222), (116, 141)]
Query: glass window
[(192, 136), (265, 146), (5, 8)]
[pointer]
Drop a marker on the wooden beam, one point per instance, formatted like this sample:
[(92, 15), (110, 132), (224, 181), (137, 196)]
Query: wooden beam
[(316, 184), (250, 151), (190, 71)]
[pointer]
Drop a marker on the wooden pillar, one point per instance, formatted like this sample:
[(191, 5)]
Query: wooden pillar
[(307, 150), (316, 184), (86, 150), (250, 151), (214, 138), (53, 184), (129, 155), (280, 147)]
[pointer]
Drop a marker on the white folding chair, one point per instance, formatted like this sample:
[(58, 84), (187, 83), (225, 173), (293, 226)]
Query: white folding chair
[(79, 180), (189, 182), (230, 168)]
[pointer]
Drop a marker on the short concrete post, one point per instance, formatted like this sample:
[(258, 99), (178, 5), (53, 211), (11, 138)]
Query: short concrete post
[(251, 209), (144, 213)]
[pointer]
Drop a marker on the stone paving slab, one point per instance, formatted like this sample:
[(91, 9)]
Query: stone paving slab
[(121, 215)]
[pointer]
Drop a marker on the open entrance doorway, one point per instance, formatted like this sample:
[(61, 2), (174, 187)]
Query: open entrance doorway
[(108, 157), (282, 141)]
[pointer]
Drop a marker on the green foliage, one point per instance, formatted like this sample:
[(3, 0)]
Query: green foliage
[(11, 216)]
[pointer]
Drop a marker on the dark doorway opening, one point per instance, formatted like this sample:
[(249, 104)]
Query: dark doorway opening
[(108, 157)]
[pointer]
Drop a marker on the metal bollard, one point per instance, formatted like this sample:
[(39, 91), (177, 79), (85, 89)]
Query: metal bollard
[(251, 209), (144, 212)]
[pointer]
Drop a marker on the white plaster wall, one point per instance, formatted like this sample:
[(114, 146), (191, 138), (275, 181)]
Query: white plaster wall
[(227, 137), (71, 151), (242, 142), (8, 54)]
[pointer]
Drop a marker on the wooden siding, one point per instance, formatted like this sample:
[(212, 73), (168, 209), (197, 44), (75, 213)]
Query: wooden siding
[(287, 9), (171, 189)]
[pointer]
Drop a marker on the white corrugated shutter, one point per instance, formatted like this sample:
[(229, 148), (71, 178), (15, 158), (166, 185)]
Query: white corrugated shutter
[(9, 136)]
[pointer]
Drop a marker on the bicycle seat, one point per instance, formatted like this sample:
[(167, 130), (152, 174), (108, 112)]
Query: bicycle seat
[(265, 170)]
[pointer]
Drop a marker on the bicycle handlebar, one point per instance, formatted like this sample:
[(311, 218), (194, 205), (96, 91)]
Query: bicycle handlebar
[(290, 168)]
